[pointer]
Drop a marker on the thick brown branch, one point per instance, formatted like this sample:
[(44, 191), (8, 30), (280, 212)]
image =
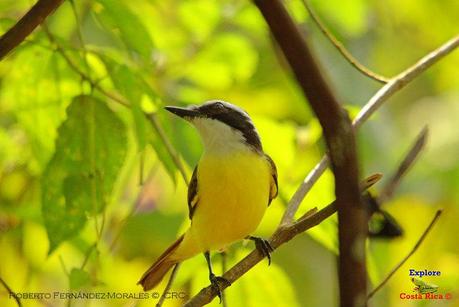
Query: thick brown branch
[(32, 19), (339, 136)]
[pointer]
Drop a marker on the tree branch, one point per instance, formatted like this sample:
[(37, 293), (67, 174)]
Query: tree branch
[(168, 286), (10, 292), (282, 235), (34, 17), (402, 79), (169, 147), (340, 47), (413, 250), (404, 166), (339, 136), (382, 95)]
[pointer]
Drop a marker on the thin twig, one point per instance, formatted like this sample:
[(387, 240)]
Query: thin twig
[(168, 286), (340, 47), (141, 167), (405, 165), (413, 250), (88, 254), (169, 147), (282, 235), (372, 105), (63, 266), (34, 17), (401, 80), (10, 292)]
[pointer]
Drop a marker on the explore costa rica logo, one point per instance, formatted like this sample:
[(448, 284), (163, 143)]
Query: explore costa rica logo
[(424, 289)]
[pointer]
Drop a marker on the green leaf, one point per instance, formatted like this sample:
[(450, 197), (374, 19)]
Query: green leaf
[(38, 102), (78, 278), (90, 150), (132, 87), (118, 18)]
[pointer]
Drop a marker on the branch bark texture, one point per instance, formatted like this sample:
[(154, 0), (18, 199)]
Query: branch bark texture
[(33, 18), (339, 136)]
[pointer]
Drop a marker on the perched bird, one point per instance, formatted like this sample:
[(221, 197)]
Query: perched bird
[(230, 189)]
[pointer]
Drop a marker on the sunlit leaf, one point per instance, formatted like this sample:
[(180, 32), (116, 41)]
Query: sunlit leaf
[(118, 18), (90, 151), (38, 102), (132, 87)]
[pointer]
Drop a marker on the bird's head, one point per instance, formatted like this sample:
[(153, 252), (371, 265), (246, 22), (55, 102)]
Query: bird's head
[(223, 126)]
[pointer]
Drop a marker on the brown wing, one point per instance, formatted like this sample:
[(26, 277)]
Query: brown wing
[(274, 188), (193, 192)]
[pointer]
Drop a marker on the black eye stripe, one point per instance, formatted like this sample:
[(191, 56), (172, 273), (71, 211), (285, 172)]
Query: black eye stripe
[(234, 117), (243, 124)]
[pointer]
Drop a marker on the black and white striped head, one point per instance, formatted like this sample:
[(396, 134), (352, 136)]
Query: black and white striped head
[(223, 126)]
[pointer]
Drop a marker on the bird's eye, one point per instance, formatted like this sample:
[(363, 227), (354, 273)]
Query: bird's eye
[(218, 108)]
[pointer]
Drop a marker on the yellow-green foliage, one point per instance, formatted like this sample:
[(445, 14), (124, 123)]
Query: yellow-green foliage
[(73, 214)]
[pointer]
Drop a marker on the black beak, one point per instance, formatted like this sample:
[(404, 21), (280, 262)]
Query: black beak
[(183, 112)]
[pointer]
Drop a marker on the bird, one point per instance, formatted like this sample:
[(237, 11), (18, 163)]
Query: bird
[(230, 189)]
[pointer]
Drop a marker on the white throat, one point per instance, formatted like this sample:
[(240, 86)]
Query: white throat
[(218, 137)]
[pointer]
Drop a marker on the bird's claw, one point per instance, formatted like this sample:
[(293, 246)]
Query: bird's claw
[(264, 247), (218, 283)]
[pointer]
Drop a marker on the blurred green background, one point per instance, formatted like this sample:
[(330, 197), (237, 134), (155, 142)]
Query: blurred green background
[(89, 195)]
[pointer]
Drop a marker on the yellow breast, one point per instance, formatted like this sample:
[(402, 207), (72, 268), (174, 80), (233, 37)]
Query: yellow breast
[(233, 193)]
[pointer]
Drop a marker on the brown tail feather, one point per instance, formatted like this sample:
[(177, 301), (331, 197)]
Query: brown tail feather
[(156, 272)]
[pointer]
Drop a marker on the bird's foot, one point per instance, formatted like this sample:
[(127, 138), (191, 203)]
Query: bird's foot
[(218, 283), (263, 246)]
